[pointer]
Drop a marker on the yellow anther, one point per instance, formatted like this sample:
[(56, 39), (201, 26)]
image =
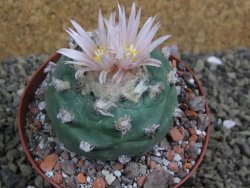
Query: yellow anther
[(131, 51), (99, 52)]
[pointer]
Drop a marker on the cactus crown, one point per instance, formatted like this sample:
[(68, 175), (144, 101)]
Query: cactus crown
[(107, 98)]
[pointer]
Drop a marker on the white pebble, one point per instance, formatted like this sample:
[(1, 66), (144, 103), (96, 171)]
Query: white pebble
[(20, 92), (110, 178), (49, 174), (199, 151), (228, 124), (105, 172), (88, 179), (135, 185), (214, 60), (193, 163), (170, 172), (117, 173), (165, 162), (198, 132), (177, 157), (204, 133), (41, 105), (41, 145), (177, 180), (191, 81)]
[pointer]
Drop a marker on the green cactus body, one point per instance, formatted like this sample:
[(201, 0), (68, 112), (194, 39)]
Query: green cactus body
[(98, 130)]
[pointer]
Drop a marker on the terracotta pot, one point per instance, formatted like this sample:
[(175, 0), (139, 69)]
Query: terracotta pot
[(28, 94)]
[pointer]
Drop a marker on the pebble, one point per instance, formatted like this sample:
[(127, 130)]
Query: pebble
[(228, 124), (57, 178), (49, 162), (159, 179), (110, 178), (177, 157), (141, 180), (173, 166), (99, 183), (117, 173), (214, 60), (25, 170), (81, 178), (175, 134), (132, 170), (68, 167)]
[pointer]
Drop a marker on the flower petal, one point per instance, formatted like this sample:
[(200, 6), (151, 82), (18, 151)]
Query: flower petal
[(101, 30), (73, 54), (118, 76), (157, 42), (83, 34)]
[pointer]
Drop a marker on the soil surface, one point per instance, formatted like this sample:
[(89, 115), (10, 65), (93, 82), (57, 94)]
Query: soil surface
[(227, 160)]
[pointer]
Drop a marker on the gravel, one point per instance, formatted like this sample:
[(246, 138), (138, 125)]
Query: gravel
[(227, 86)]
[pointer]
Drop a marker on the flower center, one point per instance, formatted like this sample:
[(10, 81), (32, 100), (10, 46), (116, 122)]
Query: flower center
[(99, 52), (131, 51)]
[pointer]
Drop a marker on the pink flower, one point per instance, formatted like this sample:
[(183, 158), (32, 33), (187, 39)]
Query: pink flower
[(121, 48)]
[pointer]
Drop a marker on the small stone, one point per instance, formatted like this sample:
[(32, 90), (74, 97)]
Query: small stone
[(34, 110), (57, 178), (110, 178), (159, 179), (126, 180), (41, 105), (177, 157), (188, 165), (81, 178), (49, 162), (197, 104), (214, 60), (99, 183), (170, 155), (105, 172), (177, 180), (228, 124), (80, 163), (192, 153), (117, 166), (132, 170), (202, 121), (142, 169), (38, 181), (25, 170), (10, 179), (165, 162), (58, 166), (191, 114), (175, 134), (152, 164), (117, 173), (173, 166), (65, 155), (178, 149), (141, 180), (192, 139), (68, 167)]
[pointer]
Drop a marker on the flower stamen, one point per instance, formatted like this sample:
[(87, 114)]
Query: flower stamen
[(99, 52), (131, 51)]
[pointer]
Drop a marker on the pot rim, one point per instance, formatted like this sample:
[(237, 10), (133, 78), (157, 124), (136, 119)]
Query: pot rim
[(37, 79)]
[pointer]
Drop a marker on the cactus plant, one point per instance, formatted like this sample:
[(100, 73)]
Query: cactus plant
[(126, 109)]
